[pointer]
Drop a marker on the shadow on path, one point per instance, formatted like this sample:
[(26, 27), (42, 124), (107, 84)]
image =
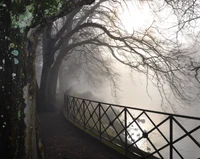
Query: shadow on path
[(62, 140)]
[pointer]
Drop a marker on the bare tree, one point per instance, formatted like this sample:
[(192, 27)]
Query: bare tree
[(162, 60)]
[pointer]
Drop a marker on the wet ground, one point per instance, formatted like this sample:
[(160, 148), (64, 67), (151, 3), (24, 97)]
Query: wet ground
[(62, 140)]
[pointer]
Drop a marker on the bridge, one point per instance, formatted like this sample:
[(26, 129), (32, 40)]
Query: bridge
[(134, 132)]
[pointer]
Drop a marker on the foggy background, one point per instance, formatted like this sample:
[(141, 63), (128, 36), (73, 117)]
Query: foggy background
[(132, 89)]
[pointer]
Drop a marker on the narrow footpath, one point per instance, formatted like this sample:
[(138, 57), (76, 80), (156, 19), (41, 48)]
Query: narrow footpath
[(62, 140)]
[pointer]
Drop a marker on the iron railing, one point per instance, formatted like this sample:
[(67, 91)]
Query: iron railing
[(137, 133)]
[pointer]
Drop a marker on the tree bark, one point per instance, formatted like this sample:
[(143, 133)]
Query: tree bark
[(17, 73), (52, 81), (51, 85), (43, 89), (48, 58), (47, 97)]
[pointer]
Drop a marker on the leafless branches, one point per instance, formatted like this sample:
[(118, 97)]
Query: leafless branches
[(93, 32)]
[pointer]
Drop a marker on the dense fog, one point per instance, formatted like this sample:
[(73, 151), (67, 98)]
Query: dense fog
[(94, 73)]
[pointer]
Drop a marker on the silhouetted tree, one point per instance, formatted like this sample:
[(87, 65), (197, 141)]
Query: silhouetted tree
[(162, 60)]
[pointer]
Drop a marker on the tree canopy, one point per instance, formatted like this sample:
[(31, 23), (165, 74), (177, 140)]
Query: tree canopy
[(154, 50)]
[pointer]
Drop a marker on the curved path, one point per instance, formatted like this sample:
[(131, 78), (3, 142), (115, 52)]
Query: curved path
[(62, 140)]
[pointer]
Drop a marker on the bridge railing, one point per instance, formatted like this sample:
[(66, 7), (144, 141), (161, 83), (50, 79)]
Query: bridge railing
[(137, 133)]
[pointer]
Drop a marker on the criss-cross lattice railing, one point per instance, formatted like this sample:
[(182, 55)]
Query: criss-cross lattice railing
[(137, 133)]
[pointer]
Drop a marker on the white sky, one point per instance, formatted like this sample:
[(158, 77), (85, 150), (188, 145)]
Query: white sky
[(137, 16), (140, 16)]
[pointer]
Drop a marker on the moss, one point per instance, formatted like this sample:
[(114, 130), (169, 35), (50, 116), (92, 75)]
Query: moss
[(23, 20), (17, 17)]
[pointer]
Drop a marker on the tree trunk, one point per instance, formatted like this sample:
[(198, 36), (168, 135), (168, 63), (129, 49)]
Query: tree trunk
[(48, 59), (47, 97), (52, 80), (48, 89), (50, 97), (43, 88)]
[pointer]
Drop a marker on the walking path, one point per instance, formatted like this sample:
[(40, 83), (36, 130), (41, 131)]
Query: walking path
[(62, 140)]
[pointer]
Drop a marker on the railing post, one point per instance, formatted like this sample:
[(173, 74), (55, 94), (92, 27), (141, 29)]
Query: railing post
[(67, 104), (125, 124), (99, 121), (171, 137), (84, 120), (73, 109)]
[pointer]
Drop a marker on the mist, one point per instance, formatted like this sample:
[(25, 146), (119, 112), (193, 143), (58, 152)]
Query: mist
[(82, 75), (133, 91)]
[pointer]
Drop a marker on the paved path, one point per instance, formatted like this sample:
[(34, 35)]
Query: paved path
[(62, 140)]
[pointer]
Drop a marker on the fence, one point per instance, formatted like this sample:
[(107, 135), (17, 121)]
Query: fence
[(134, 132)]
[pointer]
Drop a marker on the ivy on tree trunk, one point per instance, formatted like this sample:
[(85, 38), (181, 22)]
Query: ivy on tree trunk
[(17, 64)]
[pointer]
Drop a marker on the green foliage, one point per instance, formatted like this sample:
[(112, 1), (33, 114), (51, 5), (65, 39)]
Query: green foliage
[(23, 20), (53, 9), (24, 14)]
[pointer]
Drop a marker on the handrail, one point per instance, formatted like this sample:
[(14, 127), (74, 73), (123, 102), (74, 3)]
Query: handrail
[(134, 131), (147, 110)]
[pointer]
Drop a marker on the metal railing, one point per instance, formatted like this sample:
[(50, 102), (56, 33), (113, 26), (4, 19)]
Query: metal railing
[(137, 133)]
